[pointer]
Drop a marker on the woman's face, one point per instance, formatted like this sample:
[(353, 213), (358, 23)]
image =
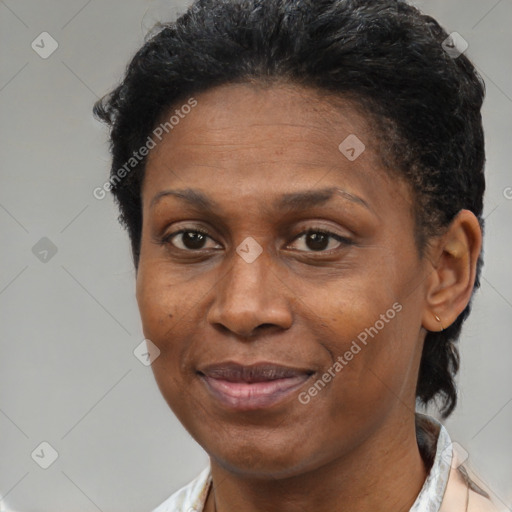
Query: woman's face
[(341, 310)]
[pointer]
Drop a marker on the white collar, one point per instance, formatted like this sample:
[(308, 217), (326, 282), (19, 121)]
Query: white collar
[(431, 495)]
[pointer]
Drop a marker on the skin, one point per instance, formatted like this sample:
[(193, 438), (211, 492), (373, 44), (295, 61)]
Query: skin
[(353, 445)]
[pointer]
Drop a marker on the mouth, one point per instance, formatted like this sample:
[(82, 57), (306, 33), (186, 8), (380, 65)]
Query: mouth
[(252, 387)]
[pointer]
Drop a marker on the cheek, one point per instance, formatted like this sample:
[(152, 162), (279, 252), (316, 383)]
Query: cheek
[(161, 310), (369, 334), (163, 302), (155, 306), (170, 310)]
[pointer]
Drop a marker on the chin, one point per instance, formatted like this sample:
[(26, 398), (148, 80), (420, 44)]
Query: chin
[(257, 459)]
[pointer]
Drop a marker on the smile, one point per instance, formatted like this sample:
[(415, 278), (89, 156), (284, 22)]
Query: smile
[(258, 386)]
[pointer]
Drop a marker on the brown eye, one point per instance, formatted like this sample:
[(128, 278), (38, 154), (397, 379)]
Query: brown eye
[(319, 240), (187, 239)]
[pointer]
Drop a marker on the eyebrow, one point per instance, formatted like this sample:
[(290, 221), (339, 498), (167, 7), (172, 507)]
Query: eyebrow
[(290, 202)]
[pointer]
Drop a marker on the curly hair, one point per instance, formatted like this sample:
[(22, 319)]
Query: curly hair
[(384, 55)]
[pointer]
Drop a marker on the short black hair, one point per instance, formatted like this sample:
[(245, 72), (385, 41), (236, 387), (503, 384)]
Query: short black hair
[(385, 55)]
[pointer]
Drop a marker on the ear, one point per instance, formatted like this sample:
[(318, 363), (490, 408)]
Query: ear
[(453, 259)]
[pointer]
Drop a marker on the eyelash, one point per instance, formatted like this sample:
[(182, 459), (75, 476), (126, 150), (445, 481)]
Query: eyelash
[(343, 240)]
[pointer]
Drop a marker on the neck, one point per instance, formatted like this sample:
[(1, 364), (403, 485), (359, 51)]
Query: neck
[(384, 474)]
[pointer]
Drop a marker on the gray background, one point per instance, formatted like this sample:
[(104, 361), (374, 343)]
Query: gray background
[(69, 322)]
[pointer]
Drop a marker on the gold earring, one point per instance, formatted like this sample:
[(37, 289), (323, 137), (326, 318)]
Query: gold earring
[(439, 320)]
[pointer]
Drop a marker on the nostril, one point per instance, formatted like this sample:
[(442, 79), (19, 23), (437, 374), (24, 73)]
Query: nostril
[(265, 326)]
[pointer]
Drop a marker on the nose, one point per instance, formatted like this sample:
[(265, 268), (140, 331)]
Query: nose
[(250, 298)]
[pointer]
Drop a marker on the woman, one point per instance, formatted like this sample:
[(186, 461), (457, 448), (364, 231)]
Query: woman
[(302, 184)]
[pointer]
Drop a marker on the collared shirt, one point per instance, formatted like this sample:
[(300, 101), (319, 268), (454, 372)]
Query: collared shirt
[(447, 488)]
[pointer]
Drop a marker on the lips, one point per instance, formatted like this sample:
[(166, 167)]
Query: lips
[(249, 387)]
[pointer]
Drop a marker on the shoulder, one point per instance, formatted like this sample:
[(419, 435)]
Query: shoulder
[(189, 498), (479, 503), (463, 494)]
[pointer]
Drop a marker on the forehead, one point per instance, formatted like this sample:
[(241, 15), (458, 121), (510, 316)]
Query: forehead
[(248, 116), (262, 139)]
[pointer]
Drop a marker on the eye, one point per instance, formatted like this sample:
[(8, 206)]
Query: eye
[(188, 239), (315, 240), (318, 240)]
